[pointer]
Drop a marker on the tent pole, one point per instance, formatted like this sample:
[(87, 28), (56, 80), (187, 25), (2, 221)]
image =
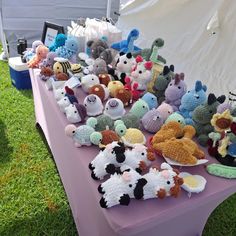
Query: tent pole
[(108, 15)]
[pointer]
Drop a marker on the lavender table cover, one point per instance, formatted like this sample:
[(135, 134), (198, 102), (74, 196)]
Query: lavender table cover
[(183, 216)]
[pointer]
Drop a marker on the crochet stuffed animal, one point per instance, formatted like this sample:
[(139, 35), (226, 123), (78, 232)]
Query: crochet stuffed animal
[(58, 42), (175, 91), (139, 108), (104, 79), (124, 65), (130, 120), (99, 67), (151, 100), (49, 60), (141, 73), (132, 87), (100, 90), (76, 113), (29, 54), (152, 121), (69, 50), (45, 73), (183, 150), (104, 137), (106, 55), (93, 105), (191, 100), (176, 117), (152, 54), (113, 86), (120, 188), (165, 110), (202, 116), (61, 65), (162, 82), (130, 136), (124, 95), (127, 46), (88, 81), (114, 108), (41, 53), (102, 122), (96, 47)]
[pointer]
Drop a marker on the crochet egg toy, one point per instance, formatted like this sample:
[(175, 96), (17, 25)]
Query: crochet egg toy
[(176, 117), (139, 108), (113, 86), (114, 108), (93, 105), (104, 79), (130, 136), (76, 113), (150, 99), (165, 110), (88, 81), (124, 95), (100, 123), (80, 135), (152, 121)]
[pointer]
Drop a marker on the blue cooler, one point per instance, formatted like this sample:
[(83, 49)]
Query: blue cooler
[(19, 72)]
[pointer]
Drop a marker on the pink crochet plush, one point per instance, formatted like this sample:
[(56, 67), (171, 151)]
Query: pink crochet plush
[(175, 91), (41, 53)]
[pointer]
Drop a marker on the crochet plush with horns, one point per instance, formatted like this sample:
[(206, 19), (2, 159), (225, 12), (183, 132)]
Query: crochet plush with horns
[(120, 188)]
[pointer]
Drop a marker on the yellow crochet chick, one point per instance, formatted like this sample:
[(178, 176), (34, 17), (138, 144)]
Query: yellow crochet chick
[(222, 121)]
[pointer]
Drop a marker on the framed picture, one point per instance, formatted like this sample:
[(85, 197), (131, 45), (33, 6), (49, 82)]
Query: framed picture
[(50, 31)]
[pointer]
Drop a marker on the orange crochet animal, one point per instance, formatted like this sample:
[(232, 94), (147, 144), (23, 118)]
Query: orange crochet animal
[(176, 143), (41, 53)]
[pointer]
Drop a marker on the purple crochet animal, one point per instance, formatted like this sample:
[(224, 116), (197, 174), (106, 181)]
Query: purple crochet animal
[(49, 60), (175, 91)]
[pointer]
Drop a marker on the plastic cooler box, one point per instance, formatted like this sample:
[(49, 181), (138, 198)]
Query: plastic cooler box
[(19, 73)]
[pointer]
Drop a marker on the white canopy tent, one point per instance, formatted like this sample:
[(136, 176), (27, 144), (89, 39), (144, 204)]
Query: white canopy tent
[(192, 48)]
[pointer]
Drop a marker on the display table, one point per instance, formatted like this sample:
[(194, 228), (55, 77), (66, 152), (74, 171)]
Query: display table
[(182, 216)]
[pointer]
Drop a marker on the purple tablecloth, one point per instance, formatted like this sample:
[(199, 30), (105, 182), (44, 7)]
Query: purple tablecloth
[(170, 216)]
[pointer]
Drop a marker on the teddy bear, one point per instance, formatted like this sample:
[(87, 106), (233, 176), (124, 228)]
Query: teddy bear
[(175, 91), (41, 53), (202, 116)]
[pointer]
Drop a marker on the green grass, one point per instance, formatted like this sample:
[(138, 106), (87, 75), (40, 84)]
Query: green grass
[(32, 199)]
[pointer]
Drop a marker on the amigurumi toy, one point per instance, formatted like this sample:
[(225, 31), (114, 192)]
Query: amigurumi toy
[(114, 108), (58, 42), (104, 137), (130, 120), (162, 82), (175, 91), (88, 81), (93, 105), (176, 117), (152, 121), (127, 46), (80, 135), (175, 142), (61, 65), (69, 50), (49, 60), (191, 100), (132, 87), (100, 90), (120, 188), (141, 73), (106, 55), (139, 108), (202, 116), (124, 65), (76, 113), (130, 136), (150, 99), (152, 54), (113, 86), (41, 53), (102, 122), (29, 54), (99, 67), (104, 79), (124, 95), (45, 73), (96, 47), (165, 110)]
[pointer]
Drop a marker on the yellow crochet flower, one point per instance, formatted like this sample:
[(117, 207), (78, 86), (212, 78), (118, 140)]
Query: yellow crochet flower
[(222, 122)]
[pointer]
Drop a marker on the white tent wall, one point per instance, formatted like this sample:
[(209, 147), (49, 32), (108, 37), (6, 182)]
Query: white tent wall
[(188, 45), (25, 18)]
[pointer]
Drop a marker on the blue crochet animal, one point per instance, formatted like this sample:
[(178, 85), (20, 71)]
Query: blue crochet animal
[(69, 49), (191, 100), (202, 116), (58, 42), (127, 45)]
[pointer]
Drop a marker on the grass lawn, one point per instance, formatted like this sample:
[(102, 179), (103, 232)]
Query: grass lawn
[(32, 198)]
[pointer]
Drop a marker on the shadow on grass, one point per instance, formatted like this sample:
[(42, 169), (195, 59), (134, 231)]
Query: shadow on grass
[(27, 93), (5, 148), (57, 222)]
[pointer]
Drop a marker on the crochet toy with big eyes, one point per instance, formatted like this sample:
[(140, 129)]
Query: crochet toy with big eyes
[(49, 60), (191, 100), (162, 82), (202, 116), (41, 53), (175, 91), (150, 99), (139, 108), (93, 105), (76, 113), (114, 108), (165, 110), (88, 81)]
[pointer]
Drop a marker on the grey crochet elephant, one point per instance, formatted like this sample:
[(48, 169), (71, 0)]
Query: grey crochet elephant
[(96, 47)]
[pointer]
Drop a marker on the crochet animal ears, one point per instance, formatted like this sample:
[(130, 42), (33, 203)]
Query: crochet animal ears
[(178, 77), (81, 110), (128, 55), (199, 86), (69, 91), (212, 99), (167, 69)]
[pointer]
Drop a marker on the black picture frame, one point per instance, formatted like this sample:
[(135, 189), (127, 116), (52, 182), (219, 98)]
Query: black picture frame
[(50, 31)]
